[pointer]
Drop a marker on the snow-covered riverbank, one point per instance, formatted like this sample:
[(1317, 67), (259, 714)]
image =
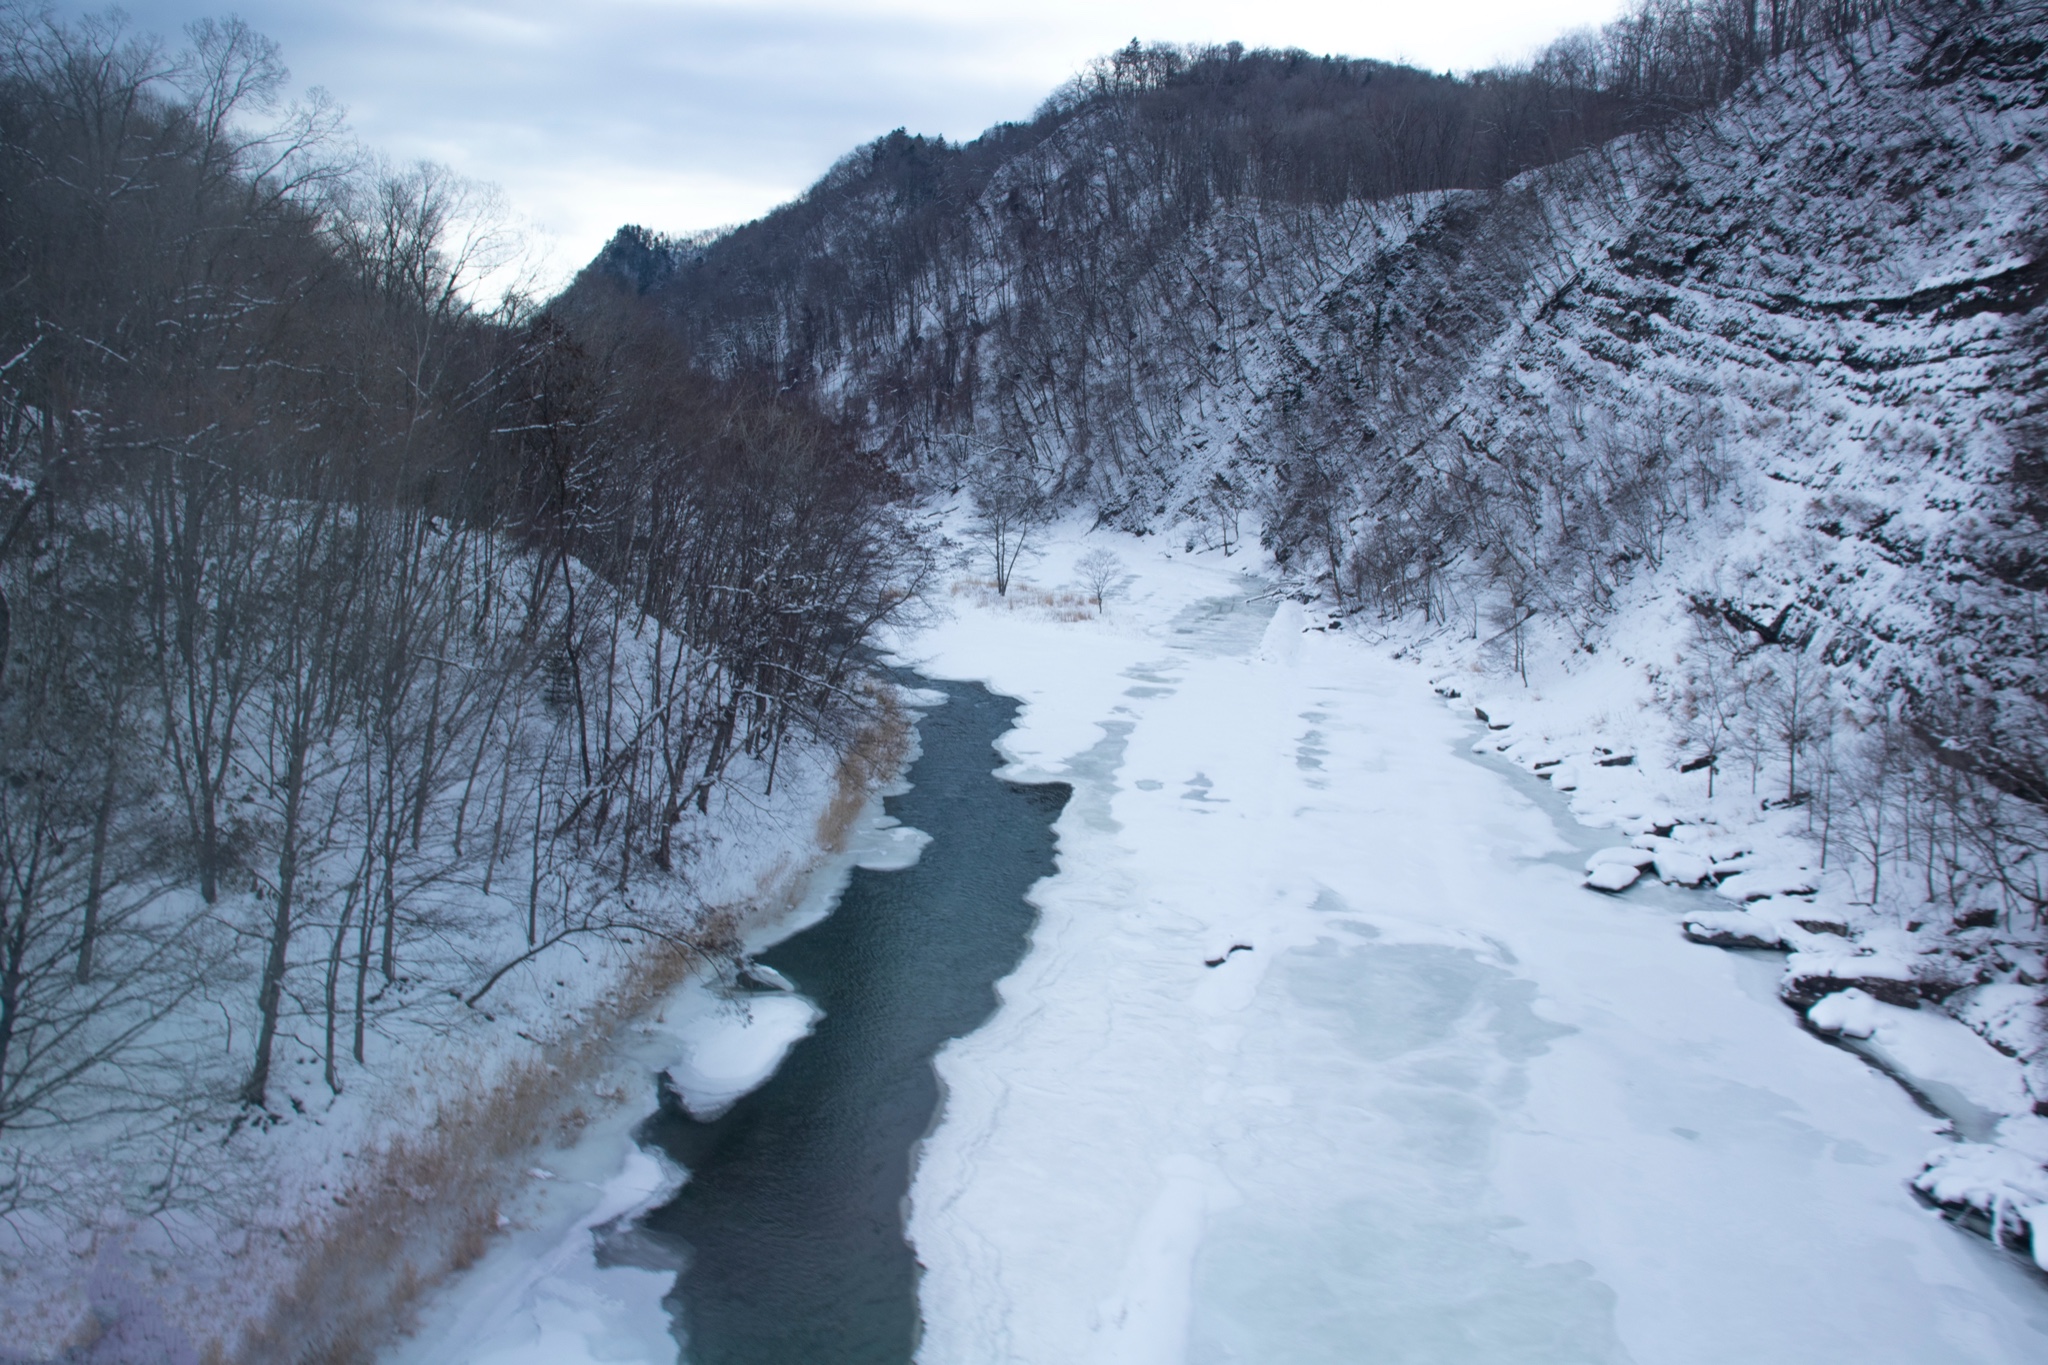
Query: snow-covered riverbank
[(569, 1282), (1323, 1044)]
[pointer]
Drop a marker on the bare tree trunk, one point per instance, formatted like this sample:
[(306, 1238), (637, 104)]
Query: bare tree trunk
[(95, 884), (270, 995)]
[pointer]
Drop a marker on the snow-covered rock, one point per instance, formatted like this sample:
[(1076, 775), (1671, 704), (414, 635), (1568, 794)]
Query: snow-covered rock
[(1612, 876), (1852, 1013), (1732, 929), (1817, 971), (1682, 866), (1757, 884), (2004, 1188), (1627, 854)]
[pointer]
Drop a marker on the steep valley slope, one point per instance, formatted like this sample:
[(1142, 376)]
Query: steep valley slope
[(1736, 421)]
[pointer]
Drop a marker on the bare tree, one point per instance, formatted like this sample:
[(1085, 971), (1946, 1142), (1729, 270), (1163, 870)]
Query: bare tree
[(1102, 573), (1009, 506)]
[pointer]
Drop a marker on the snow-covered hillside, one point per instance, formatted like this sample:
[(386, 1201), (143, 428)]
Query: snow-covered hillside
[(1712, 456)]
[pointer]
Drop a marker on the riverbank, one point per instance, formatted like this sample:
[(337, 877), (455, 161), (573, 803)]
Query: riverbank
[(789, 1231), (345, 1211), (565, 1281), (1323, 1041)]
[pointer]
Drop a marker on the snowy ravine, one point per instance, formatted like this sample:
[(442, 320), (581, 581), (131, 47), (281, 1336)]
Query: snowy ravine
[(1323, 1051)]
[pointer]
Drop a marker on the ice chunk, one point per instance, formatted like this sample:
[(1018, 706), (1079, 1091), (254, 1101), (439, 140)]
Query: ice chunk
[(730, 1053), (887, 846), (766, 977)]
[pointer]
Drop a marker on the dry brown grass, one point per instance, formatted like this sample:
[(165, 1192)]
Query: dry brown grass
[(875, 755), (1062, 604), (427, 1205)]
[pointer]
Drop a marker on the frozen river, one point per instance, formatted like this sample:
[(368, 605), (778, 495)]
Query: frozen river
[(1323, 1053), (1318, 1051)]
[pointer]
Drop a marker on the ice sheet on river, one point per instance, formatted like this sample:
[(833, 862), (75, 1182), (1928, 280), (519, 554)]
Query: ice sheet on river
[(1452, 1106)]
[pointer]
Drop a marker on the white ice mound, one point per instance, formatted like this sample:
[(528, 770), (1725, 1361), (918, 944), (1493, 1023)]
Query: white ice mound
[(731, 1051), (887, 846), (766, 977), (1281, 643), (1853, 1013)]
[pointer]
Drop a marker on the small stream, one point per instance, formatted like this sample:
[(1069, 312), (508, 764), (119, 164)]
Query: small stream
[(790, 1230)]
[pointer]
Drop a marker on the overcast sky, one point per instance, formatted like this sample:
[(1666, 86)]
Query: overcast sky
[(687, 114)]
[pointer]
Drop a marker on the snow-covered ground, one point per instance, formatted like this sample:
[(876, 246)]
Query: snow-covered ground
[(545, 1295), (1325, 1051)]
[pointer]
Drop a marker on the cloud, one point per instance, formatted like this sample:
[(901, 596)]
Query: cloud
[(684, 114)]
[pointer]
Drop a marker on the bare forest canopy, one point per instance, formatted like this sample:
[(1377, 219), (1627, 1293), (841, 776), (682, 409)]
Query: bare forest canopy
[(1157, 140), (1743, 299), (359, 641)]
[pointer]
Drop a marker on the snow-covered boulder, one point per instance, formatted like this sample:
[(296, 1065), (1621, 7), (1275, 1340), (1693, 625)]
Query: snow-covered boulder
[(1759, 883), (1628, 854), (1813, 973), (1852, 1013), (1712, 843), (1612, 877), (1732, 929), (1616, 869), (1682, 866), (2003, 1188)]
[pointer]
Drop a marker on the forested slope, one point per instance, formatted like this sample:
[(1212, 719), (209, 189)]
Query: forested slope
[(1714, 342), (373, 662)]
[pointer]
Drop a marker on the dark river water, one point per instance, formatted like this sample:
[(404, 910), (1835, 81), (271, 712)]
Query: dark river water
[(791, 1226)]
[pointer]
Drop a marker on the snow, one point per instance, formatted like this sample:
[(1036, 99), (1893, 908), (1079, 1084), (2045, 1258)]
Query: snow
[(1733, 929), (1758, 883), (1612, 876), (734, 1045), (541, 1295), (1682, 866), (1928, 1049), (558, 1307), (1451, 1105)]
